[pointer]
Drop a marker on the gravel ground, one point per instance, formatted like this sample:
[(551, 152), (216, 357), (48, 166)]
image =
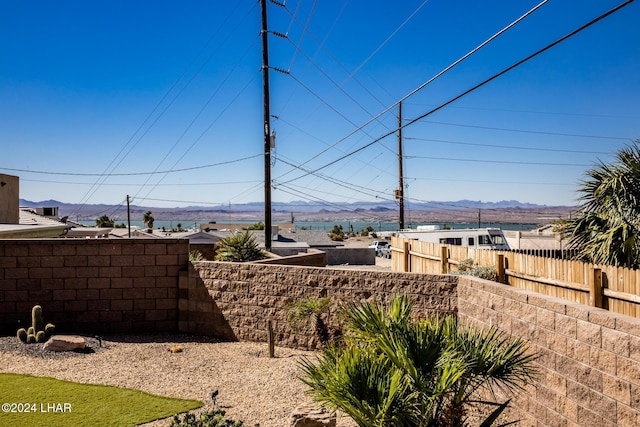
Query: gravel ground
[(252, 387)]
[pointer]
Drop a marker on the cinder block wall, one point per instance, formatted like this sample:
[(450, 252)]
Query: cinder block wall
[(589, 358), (245, 296), (92, 286)]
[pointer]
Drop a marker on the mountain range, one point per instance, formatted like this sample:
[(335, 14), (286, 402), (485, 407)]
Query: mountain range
[(460, 210)]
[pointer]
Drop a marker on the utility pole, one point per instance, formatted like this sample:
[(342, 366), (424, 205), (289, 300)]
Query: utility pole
[(400, 192), (128, 216), (267, 129)]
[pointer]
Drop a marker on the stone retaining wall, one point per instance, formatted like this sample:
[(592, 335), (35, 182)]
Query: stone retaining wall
[(589, 358), (247, 295)]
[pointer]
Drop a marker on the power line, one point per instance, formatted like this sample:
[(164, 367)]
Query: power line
[(189, 126), (498, 161), (509, 147), (479, 85), (552, 113), (325, 202), (344, 184), (184, 201), (105, 174), (530, 131), (134, 173), (490, 181), (182, 184), (419, 88)]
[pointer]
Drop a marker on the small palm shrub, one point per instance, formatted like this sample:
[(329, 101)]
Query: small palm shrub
[(240, 247), (196, 256), (395, 371), (308, 312)]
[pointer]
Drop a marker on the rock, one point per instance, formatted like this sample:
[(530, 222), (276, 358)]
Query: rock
[(65, 343), (310, 415)]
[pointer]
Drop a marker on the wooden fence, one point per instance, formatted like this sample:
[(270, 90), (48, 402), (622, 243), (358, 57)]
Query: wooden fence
[(613, 288)]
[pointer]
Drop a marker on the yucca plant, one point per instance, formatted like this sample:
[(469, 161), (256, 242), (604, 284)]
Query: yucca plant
[(395, 371), (240, 247)]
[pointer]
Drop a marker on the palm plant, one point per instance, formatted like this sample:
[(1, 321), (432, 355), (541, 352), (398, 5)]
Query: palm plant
[(309, 312), (394, 371), (148, 219), (240, 247), (607, 230), (104, 222)]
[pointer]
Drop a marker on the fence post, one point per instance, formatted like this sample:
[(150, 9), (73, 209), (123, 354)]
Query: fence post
[(500, 268), (407, 257), (444, 260), (595, 288), (270, 338)]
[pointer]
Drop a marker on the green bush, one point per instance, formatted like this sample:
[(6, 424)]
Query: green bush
[(213, 418), (196, 256), (467, 267)]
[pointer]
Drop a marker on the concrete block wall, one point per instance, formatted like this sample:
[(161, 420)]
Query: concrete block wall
[(92, 286), (589, 358), (247, 295)]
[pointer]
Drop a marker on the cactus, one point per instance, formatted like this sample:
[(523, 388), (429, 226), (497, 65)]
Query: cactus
[(37, 332), (36, 318), (49, 329)]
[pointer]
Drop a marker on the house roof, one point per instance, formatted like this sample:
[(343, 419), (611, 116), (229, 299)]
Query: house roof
[(33, 226), (302, 238)]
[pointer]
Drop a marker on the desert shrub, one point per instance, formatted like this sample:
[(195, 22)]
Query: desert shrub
[(467, 267), (337, 233), (196, 256), (213, 418)]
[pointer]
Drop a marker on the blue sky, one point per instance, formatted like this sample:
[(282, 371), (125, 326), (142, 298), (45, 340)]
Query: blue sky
[(163, 102)]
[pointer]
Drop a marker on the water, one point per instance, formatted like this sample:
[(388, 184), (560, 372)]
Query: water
[(328, 225), (393, 226)]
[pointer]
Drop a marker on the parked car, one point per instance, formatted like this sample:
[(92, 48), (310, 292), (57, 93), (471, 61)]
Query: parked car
[(378, 245), (385, 252)]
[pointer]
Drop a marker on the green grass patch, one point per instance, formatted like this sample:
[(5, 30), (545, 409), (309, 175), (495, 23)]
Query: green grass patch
[(43, 401)]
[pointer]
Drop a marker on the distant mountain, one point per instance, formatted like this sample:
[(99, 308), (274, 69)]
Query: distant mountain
[(294, 206), (304, 205), (449, 211)]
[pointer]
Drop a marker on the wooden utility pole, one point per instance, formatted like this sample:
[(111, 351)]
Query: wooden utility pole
[(267, 129), (128, 216), (400, 192)]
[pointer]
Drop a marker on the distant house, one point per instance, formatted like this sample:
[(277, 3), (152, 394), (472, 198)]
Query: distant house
[(291, 242), (31, 225)]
